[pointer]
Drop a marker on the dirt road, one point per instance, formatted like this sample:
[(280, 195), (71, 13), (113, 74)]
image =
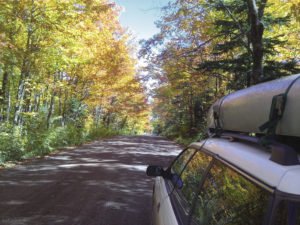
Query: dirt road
[(101, 183)]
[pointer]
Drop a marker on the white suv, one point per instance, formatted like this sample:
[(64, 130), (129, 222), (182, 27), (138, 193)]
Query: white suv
[(248, 173), (220, 181)]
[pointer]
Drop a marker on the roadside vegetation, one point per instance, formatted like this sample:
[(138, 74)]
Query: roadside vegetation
[(206, 49), (67, 76)]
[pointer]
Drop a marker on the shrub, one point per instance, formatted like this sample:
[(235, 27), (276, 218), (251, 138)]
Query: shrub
[(100, 131), (35, 139), (11, 143)]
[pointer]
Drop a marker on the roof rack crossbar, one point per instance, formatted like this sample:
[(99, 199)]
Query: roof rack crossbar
[(280, 153)]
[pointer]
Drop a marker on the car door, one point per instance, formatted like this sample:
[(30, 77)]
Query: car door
[(173, 196), (229, 198), (162, 209)]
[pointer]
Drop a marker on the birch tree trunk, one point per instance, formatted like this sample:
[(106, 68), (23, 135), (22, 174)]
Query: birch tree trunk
[(256, 38)]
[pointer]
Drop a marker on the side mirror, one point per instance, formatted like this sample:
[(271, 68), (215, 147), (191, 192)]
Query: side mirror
[(154, 171), (177, 181)]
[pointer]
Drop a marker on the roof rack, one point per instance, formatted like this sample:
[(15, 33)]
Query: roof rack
[(280, 153), (245, 112)]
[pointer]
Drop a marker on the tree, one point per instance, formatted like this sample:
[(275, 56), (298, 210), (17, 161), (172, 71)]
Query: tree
[(65, 67), (256, 38), (223, 45)]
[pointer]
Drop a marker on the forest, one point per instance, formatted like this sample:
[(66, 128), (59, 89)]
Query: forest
[(208, 48), (68, 73), (67, 76)]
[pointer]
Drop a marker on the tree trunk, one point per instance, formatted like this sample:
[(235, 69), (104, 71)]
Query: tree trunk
[(50, 111), (4, 96), (64, 109), (97, 115), (8, 109), (20, 97), (25, 70), (23, 76), (28, 102), (191, 112), (36, 106), (124, 121), (256, 39)]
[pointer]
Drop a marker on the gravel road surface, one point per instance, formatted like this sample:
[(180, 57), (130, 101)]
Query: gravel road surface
[(100, 183)]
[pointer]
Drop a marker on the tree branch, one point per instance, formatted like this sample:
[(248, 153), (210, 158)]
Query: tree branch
[(244, 33)]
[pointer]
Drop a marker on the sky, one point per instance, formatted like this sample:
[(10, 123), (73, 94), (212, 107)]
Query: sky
[(139, 16)]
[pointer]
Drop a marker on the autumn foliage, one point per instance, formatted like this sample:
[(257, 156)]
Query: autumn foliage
[(67, 75), (206, 49)]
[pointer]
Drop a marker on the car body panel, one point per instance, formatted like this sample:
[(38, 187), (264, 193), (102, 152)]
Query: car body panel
[(290, 182), (163, 213), (252, 161)]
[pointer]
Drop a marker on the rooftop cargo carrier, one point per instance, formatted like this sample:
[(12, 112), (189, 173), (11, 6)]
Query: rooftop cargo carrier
[(268, 108)]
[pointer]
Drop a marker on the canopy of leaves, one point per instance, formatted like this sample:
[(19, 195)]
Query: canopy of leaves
[(66, 65), (206, 49)]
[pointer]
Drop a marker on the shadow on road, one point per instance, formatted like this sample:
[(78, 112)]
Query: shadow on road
[(101, 183)]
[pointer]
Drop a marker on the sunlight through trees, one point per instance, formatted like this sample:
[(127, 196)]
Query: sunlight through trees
[(206, 49), (67, 75)]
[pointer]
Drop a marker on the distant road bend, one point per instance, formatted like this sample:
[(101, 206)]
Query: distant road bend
[(100, 183)]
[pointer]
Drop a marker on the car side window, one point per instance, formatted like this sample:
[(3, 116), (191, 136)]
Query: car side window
[(192, 176), (228, 198), (180, 163), (196, 163)]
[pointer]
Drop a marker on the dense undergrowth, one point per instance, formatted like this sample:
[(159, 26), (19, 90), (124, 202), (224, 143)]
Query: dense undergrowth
[(67, 76), (17, 144)]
